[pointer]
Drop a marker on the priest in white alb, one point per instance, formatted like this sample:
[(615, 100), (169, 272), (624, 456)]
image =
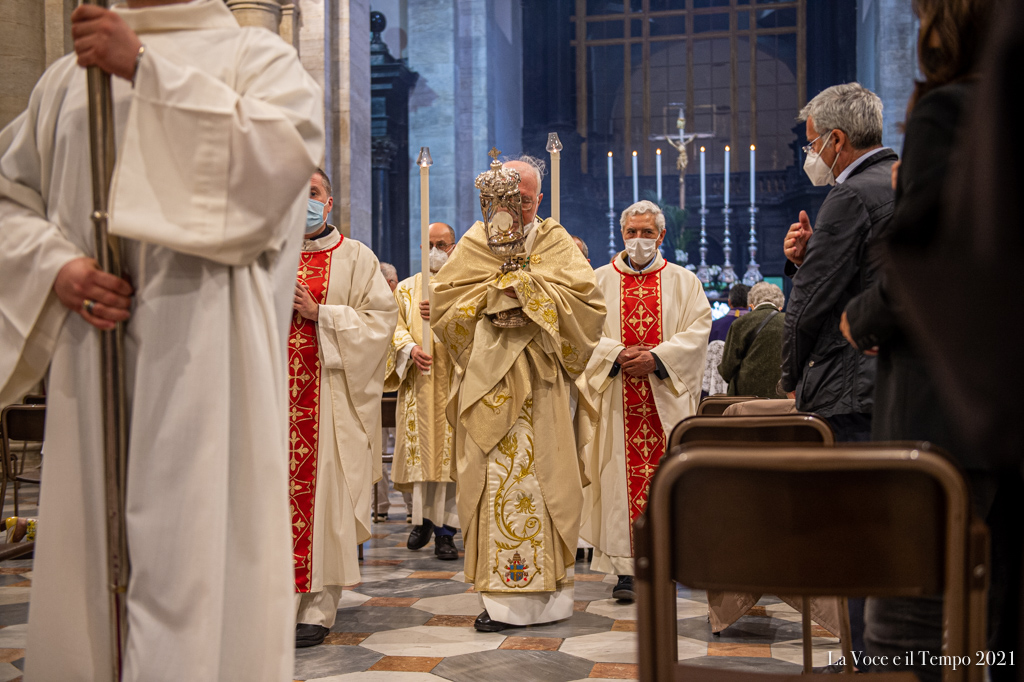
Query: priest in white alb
[(217, 129), (520, 478), (337, 351), (423, 436), (646, 374)]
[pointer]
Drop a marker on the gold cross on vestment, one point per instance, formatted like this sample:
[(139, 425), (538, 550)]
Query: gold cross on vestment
[(494, 153)]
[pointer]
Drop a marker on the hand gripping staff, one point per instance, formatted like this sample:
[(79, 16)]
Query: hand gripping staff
[(115, 409)]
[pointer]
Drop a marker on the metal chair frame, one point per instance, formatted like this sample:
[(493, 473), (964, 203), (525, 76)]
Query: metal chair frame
[(714, 405), (20, 432), (729, 426), (964, 574)]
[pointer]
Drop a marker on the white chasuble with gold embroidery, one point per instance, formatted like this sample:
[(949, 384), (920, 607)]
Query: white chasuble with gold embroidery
[(664, 308), (423, 436), (336, 378), (520, 476)]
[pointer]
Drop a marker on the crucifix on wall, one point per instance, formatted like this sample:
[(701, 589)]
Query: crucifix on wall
[(681, 141)]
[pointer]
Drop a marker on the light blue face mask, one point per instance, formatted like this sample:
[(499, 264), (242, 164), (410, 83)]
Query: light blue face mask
[(314, 215)]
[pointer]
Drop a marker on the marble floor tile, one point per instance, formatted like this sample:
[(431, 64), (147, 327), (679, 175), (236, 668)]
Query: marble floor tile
[(466, 604), (734, 649), (411, 588), (351, 598), (10, 579), (381, 676), (14, 636), (432, 641), (392, 601), (323, 661), (531, 643), (615, 671), (746, 629), (378, 619), (590, 591), (613, 608), (444, 621), (753, 665), (621, 647), (459, 577), (14, 614), (345, 638), (432, 575), (11, 655), (824, 651), (375, 574), (8, 672), (521, 666), (624, 626), (409, 664), (581, 623)]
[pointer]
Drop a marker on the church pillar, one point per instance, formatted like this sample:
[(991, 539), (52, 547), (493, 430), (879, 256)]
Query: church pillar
[(22, 54), (887, 60), (263, 13), (289, 28), (383, 153)]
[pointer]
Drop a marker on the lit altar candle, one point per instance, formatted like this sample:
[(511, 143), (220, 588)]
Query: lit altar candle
[(636, 180), (703, 182), (424, 162), (727, 155), (658, 157), (611, 187), (554, 148), (752, 184)]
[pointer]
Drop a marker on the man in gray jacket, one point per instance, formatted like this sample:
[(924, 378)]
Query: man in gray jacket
[(829, 263)]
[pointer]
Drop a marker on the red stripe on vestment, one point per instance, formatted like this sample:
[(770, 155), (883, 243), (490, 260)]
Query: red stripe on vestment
[(304, 414), (640, 322)]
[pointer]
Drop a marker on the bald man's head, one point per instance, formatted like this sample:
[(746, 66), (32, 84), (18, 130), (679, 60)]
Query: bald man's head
[(529, 187), (442, 235)]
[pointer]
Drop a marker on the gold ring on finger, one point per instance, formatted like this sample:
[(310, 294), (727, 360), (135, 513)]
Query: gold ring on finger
[(88, 304)]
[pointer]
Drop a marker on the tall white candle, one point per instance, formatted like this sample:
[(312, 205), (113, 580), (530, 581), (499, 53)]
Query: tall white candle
[(611, 186), (727, 155), (658, 157), (752, 166), (703, 181), (424, 162), (554, 148), (636, 180)]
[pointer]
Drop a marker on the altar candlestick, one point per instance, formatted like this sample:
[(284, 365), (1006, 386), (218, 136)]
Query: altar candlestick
[(658, 157), (636, 180), (611, 186), (728, 274), (703, 273), (727, 155), (752, 182), (703, 181)]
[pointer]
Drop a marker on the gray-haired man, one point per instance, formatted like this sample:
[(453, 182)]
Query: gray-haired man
[(825, 374)]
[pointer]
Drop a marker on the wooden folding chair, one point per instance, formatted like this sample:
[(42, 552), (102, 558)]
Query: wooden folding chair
[(849, 521), (715, 404)]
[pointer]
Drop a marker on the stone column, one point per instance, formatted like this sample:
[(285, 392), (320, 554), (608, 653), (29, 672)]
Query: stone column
[(264, 13), (22, 54), (383, 154), (887, 60), (334, 46), (289, 28), (58, 29)]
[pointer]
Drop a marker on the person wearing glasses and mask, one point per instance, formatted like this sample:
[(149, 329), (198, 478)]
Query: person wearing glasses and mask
[(830, 263), (423, 436), (338, 343), (647, 373)]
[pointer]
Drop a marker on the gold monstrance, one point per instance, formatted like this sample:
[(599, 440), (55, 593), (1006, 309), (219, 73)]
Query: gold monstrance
[(502, 209)]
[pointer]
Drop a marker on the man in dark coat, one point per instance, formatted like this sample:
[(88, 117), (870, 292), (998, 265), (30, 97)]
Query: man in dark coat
[(820, 370)]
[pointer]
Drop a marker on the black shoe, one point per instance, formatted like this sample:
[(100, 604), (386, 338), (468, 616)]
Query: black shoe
[(420, 535), (307, 634), (581, 554), (624, 589), (444, 547), (484, 623)]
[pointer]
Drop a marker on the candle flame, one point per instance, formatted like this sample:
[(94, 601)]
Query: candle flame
[(658, 151), (727, 148), (609, 153), (634, 152), (751, 147), (702, 150)]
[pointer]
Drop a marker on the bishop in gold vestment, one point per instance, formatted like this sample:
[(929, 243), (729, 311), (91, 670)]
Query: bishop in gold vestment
[(520, 478)]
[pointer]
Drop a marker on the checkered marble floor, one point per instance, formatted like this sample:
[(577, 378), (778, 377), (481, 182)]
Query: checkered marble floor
[(411, 620)]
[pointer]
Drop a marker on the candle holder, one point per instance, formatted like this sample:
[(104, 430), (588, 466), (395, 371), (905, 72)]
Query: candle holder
[(728, 275), (753, 274), (703, 273)]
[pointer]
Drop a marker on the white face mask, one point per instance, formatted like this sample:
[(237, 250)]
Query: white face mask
[(437, 259), (819, 173), (641, 250)]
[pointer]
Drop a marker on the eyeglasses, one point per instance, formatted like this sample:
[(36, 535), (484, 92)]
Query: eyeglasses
[(809, 147), (441, 245), (526, 203)]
